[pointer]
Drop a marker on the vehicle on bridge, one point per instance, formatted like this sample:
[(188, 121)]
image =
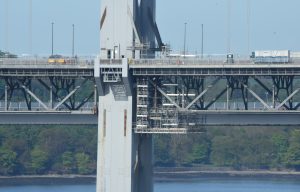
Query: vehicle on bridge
[(59, 59), (229, 58), (56, 59), (272, 56), (7, 55)]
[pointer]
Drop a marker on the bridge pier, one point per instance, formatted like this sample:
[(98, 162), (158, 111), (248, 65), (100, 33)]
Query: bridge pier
[(124, 158)]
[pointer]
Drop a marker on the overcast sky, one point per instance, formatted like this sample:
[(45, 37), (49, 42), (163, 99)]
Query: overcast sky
[(273, 24)]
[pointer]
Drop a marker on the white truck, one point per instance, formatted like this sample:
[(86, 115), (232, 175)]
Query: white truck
[(272, 56)]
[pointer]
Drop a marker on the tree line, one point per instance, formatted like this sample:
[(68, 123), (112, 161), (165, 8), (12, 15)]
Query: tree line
[(236, 148), (36, 150), (48, 150)]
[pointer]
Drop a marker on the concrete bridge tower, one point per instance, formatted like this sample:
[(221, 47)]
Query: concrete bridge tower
[(127, 28), (124, 158)]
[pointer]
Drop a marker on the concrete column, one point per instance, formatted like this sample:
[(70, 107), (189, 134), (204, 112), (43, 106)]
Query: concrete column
[(95, 96), (5, 98), (144, 174), (273, 97), (124, 158), (227, 98), (51, 98)]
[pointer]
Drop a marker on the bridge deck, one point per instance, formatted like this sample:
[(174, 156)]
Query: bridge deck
[(40, 67), (203, 119), (208, 64), (202, 67), (212, 68), (48, 118)]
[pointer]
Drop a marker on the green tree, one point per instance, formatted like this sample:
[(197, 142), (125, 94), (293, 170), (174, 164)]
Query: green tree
[(54, 141), (200, 153), (162, 157), (293, 153), (225, 152), (83, 163), (39, 160), (281, 144), (8, 161), (68, 162)]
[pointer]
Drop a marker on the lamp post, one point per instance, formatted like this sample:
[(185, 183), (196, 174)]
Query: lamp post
[(52, 24), (202, 42), (267, 97), (6, 24), (73, 40), (184, 43), (30, 27), (228, 26)]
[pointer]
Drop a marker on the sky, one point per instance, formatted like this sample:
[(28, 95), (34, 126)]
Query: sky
[(251, 25)]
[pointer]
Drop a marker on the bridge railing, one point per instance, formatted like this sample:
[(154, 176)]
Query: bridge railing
[(111, 62), (188, 61), (44, 63), (178, 62), (22, 107)]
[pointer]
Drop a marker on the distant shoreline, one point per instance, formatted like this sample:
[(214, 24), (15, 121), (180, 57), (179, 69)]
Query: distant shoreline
[(160, 175), (47, 180), (177, 174)]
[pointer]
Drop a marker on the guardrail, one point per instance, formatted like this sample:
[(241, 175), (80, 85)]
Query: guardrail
[(204, 61), (22, 106), (89, 62), (43, 63)]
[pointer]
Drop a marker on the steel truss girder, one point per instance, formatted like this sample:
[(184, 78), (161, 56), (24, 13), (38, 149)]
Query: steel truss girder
[(202, 93), (284, 83), (35, 97), (213, 72), (52, 92), (180, 91), (257, 97), (188, 89), (196, 84), (238, 83), (288, 98), (280, 83), (13, 84), (33, 89), (165, 95)]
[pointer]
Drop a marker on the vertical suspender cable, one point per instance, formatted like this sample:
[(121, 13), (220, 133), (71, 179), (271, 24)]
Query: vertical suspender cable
[(202, 40), (228, 26), (248, 25), (30, 27), (6, 24)]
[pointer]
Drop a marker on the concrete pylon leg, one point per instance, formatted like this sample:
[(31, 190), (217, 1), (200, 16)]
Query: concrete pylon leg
[(144, 172), (124, 158)]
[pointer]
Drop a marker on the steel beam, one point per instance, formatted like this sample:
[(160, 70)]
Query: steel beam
[(165, 95), (257, 97), (203, 93), (288, 98), (35, 97), (212, 118), (5, 98), (48, 118), (51, 89), (216, 98), (66, 98), (226, 118)]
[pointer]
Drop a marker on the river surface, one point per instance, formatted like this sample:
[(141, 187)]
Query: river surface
[(200, 185)]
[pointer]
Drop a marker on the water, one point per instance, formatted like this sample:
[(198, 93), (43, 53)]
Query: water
[(50, 188), (231, 185), (201, 185)]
